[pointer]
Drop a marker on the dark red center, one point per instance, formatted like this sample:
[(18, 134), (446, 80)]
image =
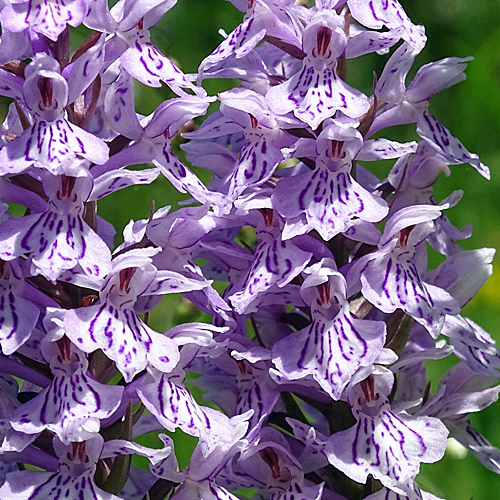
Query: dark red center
[(125, 277), (368, 387), (323, 38), (271, 458), (45, 87)]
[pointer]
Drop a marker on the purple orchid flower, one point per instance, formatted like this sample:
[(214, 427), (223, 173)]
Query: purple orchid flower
[(316, 92), (131, 45), (328, 199), (73, 405), (111, 324), (390, 276), (410, 104), (43, 16), (336, 344), (51, 143), (277, 19), (18, 316), (58, 239), (388, 445)]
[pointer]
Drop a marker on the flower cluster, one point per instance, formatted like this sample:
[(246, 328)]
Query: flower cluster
[(312, 268)]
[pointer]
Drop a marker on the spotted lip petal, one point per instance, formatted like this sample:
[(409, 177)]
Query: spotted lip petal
[(122, 336), (46, 17), (275, 262), (336, 344), (391, 276), (112, 324), (257, 162), (58, 239), (51, 143), (52, 146), (389, 446), (173, 405), (316, 92), (331, 350), (314, 95), (331, 200), (74, 403), (377, 13), (73, 479), (256, 392), (393, 282)]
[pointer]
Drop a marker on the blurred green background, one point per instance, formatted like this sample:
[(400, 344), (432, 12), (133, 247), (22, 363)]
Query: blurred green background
[(471, 110)]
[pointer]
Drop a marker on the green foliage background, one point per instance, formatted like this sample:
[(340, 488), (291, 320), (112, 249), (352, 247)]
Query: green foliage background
[(471, 110)]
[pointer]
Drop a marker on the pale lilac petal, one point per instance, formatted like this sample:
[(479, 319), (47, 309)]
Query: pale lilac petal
[(386, 494), (122, 336), (120, 109), (131, 13), (47, 18), (410, 216), (391, 86), (18, 316), (446, 144), (172, 114), (366, 42), (118, 447), (436, 76), (115, 180), (379, 13), (84, 70), (482, 449), (463, 273), (148, 65), (173, 282), (299, 491), (313, 456), (331, 350), (72, 406), (183, 178), (390, 447), (203, 490), (13, 45), (257, 162), (331, 201), (473, 345), (11, 85), (238, 43), (383, 149)]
